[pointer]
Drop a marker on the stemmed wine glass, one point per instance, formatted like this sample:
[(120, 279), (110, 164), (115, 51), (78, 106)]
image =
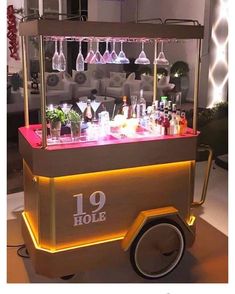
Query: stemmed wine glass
[(106, 54), (142, 59), (80, 59), (161, 59), (55, 58), (95, 105), (97, 58), (61, 59), (113, 54), (90, 54), (82, 105), (122, 59)]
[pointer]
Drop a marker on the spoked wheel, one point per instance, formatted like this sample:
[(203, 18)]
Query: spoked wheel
[(157, 249)]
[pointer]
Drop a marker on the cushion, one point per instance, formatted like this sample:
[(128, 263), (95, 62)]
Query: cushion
[(131, 77), (147, 82), (54, 80), (82, 78), (117, 79)]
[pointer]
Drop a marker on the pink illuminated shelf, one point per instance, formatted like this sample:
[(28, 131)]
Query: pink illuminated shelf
[(30, 134)]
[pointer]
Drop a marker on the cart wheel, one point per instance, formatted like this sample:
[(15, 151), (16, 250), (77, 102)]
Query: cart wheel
[(157, 249), (68, 277)]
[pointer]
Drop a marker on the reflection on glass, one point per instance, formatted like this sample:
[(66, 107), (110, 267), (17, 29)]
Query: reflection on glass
[(55, 58), (97, 58), (142, 59), (90, 54), (80, 59), (122, 59), (161, 59)]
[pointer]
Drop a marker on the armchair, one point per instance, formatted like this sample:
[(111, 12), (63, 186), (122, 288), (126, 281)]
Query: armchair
[(117, 85), (82, 83), (146, 84)]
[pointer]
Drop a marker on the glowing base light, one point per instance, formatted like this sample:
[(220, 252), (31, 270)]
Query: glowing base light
[(218, 90)]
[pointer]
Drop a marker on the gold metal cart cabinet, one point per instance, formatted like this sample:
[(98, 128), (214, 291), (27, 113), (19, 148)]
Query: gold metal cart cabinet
[(84, 200)]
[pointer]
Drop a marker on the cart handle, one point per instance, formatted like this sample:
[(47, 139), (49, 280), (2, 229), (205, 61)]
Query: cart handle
[(202, 148)]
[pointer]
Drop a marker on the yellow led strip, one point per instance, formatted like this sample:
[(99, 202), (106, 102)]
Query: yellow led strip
[(67, 248)]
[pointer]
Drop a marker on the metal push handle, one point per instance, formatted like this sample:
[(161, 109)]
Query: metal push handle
[(207, 174)]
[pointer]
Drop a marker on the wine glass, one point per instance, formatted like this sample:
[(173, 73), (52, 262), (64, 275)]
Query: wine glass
[(90, 54), (97, 58), (161, 59), (61, 59), (80, 59), (95, 105), (82, 105), (55, 58), (122, 59), (106, 54), (66, 107), (113, 54), (142, 59)]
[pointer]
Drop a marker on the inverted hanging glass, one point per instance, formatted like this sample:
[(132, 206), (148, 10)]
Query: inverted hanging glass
[(142, 59), (122, 59), (61, 59), (106, 55), (80, 59), (161, 59), (90, 54), (55, 58), (113, 54), (97, 58)]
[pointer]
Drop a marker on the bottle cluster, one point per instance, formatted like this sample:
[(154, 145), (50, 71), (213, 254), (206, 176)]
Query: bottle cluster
[(162, 118)]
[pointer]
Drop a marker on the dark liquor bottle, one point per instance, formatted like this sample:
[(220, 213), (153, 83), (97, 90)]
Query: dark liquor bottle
[(88, 112), (165, 124)]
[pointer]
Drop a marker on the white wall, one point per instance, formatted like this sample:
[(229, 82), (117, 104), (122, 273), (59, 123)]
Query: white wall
[(104, 10), (184, 50), (13, 65)]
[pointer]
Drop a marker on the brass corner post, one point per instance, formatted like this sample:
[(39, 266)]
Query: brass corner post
[(42, 91), (25, 81), (196, 85), (155, 73)]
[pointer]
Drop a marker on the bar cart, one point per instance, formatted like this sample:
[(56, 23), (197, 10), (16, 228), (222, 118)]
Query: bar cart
[(85, 198)]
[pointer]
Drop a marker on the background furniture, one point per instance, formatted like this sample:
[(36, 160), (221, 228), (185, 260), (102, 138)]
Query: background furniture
[(117, 85)]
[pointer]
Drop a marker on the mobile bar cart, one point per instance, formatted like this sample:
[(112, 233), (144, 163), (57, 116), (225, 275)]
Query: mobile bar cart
[(87, 198)]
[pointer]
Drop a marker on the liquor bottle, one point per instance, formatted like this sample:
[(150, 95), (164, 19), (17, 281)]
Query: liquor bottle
[(125, 107), (138, 108), (142, 106), (183, 123), (88, 112), (173, 124), (164, 100), (177, 126), (158, 121), (174, 107), (165, 124)]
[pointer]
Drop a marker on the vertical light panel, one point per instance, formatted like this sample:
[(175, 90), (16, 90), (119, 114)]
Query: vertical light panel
[(218, 70)]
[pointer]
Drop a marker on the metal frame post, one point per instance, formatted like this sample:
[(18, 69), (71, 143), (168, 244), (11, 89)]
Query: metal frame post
[(42, 91), (155, 73), (25, 81), (196, 85)]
